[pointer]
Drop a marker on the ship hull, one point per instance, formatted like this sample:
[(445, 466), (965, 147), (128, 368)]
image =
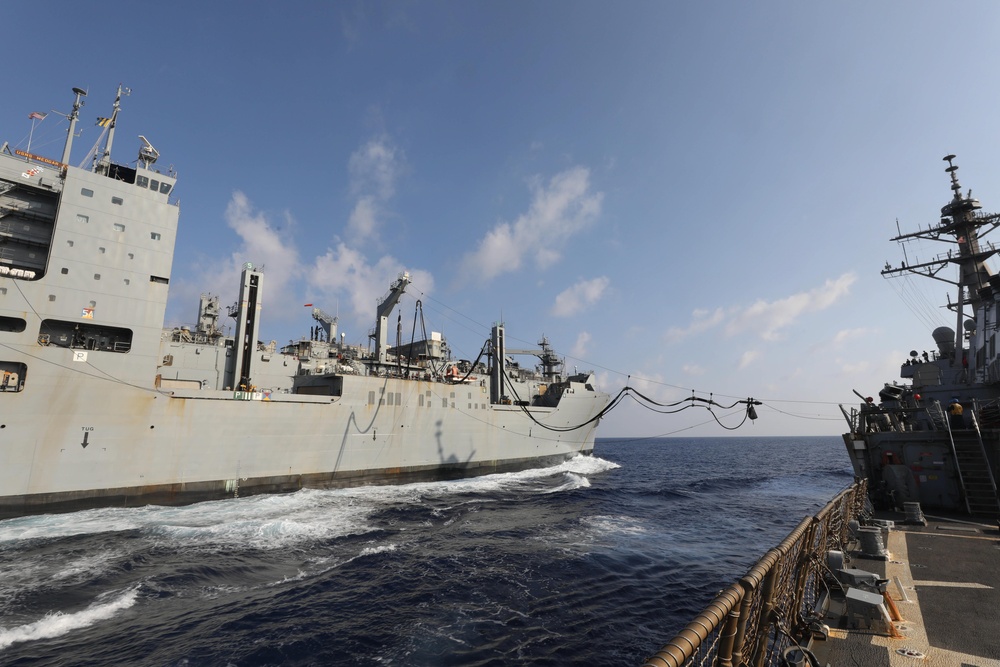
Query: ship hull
[(92, 445), (184, 493)]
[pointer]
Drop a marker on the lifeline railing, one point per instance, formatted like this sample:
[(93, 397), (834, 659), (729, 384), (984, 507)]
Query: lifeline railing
[(753, 621)]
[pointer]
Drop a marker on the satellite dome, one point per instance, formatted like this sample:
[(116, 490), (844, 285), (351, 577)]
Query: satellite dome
[(945, 339)]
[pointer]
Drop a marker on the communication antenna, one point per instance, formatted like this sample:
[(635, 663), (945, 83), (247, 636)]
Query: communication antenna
[(103, 165), (147, 154), (80, 94)]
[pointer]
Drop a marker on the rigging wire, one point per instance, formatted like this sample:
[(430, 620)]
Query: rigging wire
[(630, 392), (480, 326), (641, 399), (916, 301)]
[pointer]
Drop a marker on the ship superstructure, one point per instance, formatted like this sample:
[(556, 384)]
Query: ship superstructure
[(102, 405), (935, 437)]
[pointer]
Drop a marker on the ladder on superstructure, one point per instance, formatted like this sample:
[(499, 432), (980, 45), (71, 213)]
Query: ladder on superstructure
[(974, 470)]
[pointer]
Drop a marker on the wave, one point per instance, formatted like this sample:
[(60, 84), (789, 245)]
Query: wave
[(721, 484), (616, 525), (269, 522), (381, 549), (59, 623)]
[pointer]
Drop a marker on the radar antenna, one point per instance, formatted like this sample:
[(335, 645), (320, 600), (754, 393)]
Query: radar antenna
[(952, 168), (147, 154), (961, 219)]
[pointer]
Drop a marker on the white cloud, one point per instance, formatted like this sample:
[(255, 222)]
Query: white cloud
[(701, 320), (557, 211), (262, 244), (580, 347), (769, 319), (748, 358), (363, 222), (692, 369), (374, 169), (574, 299), (845, 335), (346, 272)]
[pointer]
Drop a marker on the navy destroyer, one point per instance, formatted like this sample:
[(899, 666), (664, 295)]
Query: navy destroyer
[(934, 438), (100, 404)]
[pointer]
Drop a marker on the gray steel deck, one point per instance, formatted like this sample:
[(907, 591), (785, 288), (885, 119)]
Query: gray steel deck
[(945, 581)]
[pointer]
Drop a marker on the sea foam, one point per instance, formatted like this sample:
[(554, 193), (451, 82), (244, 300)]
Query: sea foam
[(59, 623)]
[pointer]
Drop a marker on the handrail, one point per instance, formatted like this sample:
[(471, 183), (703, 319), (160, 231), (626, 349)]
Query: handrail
[(954, 457), (982, 450), (743, 624)]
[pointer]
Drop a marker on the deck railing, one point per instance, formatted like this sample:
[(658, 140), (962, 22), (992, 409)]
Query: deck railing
[(755, 620)]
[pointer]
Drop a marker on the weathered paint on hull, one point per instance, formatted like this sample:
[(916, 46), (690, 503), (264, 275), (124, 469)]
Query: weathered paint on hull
[(192, 492), (128, 446)]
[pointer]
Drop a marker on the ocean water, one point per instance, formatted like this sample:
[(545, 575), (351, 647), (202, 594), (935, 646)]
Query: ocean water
[(598, 561)]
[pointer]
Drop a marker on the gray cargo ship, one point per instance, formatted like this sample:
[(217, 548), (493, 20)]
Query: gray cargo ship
[(100, 404)]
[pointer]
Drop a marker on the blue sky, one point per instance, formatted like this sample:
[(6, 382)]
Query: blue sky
[(686, 197)]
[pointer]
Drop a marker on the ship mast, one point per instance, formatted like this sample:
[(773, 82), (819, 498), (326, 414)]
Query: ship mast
[(103, 165), (80, 94), (959, 219)]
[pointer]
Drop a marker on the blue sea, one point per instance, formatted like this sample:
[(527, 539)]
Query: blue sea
[(599, 561)]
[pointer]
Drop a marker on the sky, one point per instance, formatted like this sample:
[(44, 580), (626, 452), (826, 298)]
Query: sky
[(689, 198)]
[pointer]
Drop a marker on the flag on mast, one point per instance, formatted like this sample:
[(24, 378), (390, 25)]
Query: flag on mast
[(34, 115)]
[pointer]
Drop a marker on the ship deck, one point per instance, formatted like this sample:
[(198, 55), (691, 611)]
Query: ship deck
[(945, 581)]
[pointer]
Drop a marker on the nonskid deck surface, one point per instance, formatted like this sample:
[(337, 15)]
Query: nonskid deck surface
[(945, 581)]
